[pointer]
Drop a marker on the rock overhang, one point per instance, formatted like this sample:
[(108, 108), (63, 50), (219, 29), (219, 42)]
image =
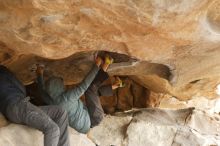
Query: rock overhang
[(183, 36)]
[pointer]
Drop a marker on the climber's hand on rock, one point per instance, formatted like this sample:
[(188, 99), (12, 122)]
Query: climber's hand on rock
[(98, 61), (118, 83)]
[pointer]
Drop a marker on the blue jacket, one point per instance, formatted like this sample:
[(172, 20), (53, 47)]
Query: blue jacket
[(11, 89), (54, 93)]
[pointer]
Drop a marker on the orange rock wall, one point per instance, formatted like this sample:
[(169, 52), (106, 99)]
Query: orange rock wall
[(182, 35)]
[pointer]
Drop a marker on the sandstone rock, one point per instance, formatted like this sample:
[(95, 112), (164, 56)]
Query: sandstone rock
[(172, 48), (158, 127), (200, 103), (133, 95), (125, 97), (77, 139), (135, 128), (144, 133), (111, 131), (205, 124), (141, 96), (180, 36), (3, 121), (19, 135), (154, 99)]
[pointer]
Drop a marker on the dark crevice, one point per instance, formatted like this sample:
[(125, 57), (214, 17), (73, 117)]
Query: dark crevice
[(195, 81)]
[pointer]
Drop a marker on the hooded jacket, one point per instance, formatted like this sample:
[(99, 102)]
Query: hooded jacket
[(53, 93), (11, 89)]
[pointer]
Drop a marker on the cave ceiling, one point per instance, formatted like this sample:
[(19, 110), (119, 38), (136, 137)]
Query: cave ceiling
[(173, 45)]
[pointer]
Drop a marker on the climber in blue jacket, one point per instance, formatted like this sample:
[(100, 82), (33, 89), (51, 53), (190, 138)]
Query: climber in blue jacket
[(81, 117)]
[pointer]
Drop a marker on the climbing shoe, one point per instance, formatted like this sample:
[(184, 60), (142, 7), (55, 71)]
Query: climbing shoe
[(107, 61)]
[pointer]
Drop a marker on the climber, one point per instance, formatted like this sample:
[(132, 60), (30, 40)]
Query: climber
[(81, 117), (51, 120)]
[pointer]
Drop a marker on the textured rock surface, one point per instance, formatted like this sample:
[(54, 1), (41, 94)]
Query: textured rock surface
[(159, 128), (181, 35), (19, 135), (172, 47), (200, 103), (143, 127)]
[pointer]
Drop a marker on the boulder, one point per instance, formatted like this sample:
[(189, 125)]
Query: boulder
[(158, 127)]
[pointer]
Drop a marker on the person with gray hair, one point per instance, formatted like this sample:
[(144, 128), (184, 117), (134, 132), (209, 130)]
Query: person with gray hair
[(81, 117)]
